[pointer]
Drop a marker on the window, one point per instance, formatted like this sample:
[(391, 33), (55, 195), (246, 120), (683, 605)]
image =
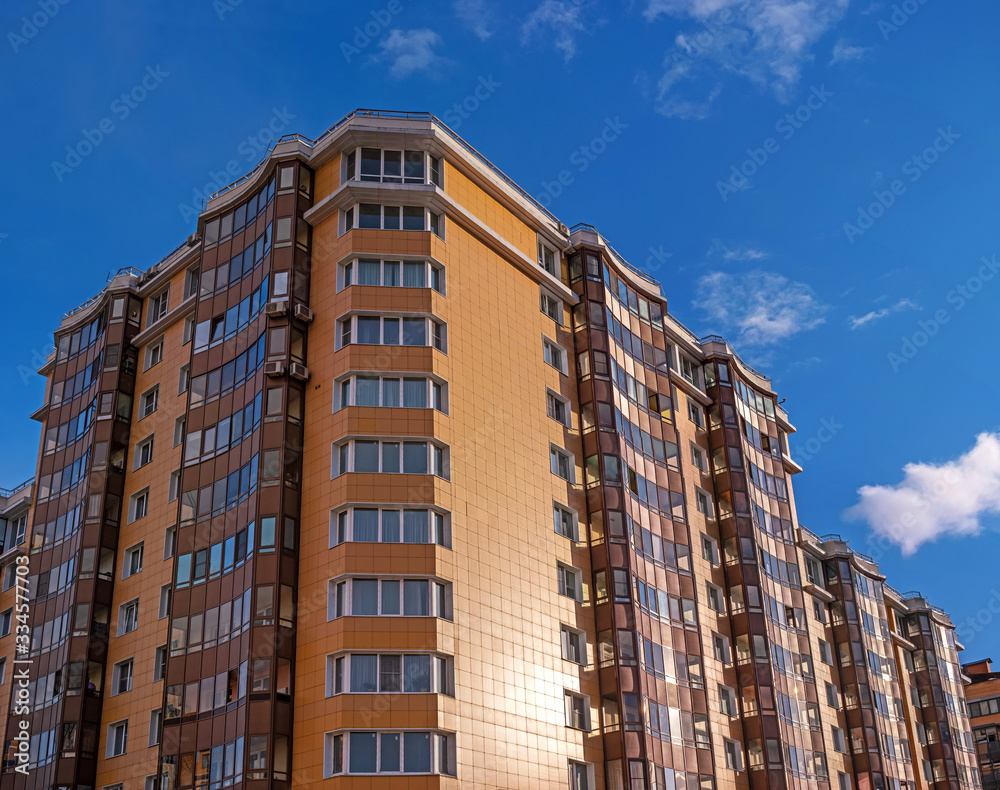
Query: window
[(696, 414), (154, 353), (138, 505), (363, 673), (390, 457), (698, 458), (148, 402), (179, 430), (155, 727), (734, 754), (133, 561), (164, 601), (160, 663), (574, 645), (581, 776), (825, 652), (715, 598), (128, 617), (557, 407), (566, 522), (174, 485), (710, 549), (121, 678), (839, 743), (721, 649), (554, 355), (406, 597), (703, 501), (5, 621), (577, 711), (378, 217), (389, 525), (398, 274), (843, 781), (411, 752), (727, 701), (169, 542), (691, 372), (408, 392), (158, 306), (561, 464), (552, 307), (570, 583), (392, 331), (832, 697), (548, 259), (117, 739), (143, 452)]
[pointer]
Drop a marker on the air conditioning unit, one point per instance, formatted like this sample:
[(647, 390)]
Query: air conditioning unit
[(303, 313), (563, 228), (276, 308), (193, 239), (298, 371), (274, 369)]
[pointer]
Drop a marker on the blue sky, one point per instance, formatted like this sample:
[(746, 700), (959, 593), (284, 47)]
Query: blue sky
[(815, 180)]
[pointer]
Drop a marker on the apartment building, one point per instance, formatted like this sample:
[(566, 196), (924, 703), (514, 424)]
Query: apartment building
[(388, 478), (982, 690)]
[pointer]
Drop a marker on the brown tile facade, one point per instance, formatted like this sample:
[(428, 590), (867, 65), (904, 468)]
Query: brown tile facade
[(387, 478)]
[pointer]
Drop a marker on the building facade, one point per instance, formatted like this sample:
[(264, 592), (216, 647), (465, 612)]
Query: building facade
[(982, 690), (388, 478)]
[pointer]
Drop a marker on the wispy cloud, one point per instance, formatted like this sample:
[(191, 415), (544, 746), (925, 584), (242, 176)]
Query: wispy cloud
[(762, 307), (410, 51), (766, 41), (844, 52), (562, 21), (475, 16), (736, 252), (935, 500), (857, 322)]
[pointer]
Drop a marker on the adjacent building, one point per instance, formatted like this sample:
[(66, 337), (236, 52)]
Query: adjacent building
[(982, 690), (388, 478)]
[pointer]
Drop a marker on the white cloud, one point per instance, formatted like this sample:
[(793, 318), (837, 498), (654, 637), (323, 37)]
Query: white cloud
[(411, 51), (934, 501), (475, 16), (844, 52), (766, 41), (564, 20), (763, 307), (736, 252), (877, 315)]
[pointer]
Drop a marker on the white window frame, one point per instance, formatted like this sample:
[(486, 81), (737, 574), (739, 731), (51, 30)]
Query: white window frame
[(165, 599), (559, 510), (133, 557), (548, 346), (350, 219), (719, 596), (113, 739), (428, 159), (726, 649), (439, 524), (179, 425), (696, 414), (143, 447), (574, 784), (134, 505), (149, 402), (437, 589), (549, 304), (123, 617), (435, 331), (154, 353), (552, 395), (435, 386), (571, 697), (699, 459), (155, 728), (437, 736), (570, 581), (545, 251), (342, 661), (347, 272), (728, 694), (703, 497), (437, 465), (122, 670), (159, 306), (734, 754), (714, 549), (555, 451), (565, 632)]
